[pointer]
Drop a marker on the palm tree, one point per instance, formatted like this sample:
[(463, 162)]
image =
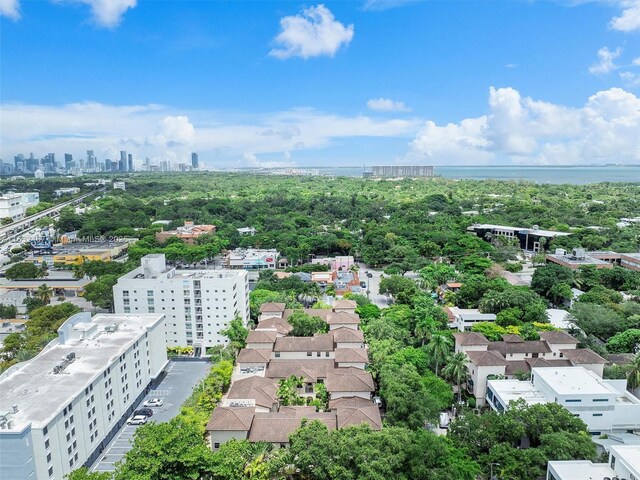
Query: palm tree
[(44, 293), (633, 375), (438, 348), (425, 327), (456, 370)]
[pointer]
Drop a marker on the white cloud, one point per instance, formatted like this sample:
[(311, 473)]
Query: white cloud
[(605, 62), (631, 79), (629, 20), (523, 130), (10, 8), (154, 130), (108, 13), (636, 61), (312, 33), (387, 105)]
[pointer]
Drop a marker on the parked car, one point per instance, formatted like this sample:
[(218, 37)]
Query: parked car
[(137, 420), (363, 284), (153, 402), (146, 412), (377, 401)]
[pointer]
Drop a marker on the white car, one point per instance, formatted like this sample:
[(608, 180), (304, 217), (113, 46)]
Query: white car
[(137, 420), (153, 402)]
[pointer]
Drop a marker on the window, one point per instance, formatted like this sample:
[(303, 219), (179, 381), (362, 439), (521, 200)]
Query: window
[(600, 399), (51, 471), (309, 354), (597, 414), (46, 443), (573, 400), (48, 457), (216, 445)]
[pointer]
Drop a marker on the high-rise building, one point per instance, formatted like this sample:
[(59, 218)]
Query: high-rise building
[(59, 409), (122, 165), (194, 160), (91, 160), (130, 162), (198, 304), (108, 165), (68, 161)]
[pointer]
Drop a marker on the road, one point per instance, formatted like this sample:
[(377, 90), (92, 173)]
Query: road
[(373, 285), (174, 389), (16, 227)]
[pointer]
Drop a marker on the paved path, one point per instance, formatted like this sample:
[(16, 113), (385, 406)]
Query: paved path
[(174, 389)]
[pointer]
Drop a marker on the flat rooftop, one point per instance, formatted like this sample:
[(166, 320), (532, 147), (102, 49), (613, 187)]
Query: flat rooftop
[(509, 390), (581, 470), (40, 394), (573, 380), (571, 260), (138, 273), (544, 233), (630, 454), (49, 282)]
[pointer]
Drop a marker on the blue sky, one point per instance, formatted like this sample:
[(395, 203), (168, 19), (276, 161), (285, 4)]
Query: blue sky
[(340, 83)]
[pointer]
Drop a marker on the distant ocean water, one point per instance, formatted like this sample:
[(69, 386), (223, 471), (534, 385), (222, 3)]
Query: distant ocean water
[(551, 175)]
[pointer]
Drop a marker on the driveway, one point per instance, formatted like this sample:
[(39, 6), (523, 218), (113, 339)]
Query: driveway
[(174, 389), (373, 285)]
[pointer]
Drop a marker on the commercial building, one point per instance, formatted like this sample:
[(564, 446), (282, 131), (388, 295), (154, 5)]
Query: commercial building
[(66, 191), (194, 160), (119, 186), (14, 205), (59, 409), (601, 259), (604, 405), (76, 253), (337, 359), (189, 233), (253, 259), (198, 304), (527, 238), (335, 263), (400, 171), (514, 356), (623, 464)]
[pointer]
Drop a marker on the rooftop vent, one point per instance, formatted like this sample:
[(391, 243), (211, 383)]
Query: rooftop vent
[(111, 328)]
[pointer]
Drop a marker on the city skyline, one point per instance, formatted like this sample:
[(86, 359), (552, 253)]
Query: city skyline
[(274, 84)]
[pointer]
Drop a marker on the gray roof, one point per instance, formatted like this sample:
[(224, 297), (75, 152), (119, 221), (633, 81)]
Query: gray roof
[(352, 355), (347, 335), (343, 318), (348, 416), (262, 336), (527, 346), (278, 426), (272, 307)]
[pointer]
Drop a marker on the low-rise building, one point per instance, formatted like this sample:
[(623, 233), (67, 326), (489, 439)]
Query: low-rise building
[(188, 233), (623, 464), (514, 357), (59, 409), (198, 304), (14, 205), (604, 405), (344, 262), (533, 239), (252, 259), (76, 253), (66, 191), (465, 318)]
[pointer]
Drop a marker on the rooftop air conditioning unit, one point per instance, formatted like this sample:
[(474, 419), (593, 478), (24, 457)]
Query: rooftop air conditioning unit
[(535, 227), (561, 251), (578, 253)]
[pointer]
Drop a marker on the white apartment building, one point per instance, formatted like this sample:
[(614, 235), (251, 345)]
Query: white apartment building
[(197, 304), (604, 405), (14, 205), (60, 409), (623, 464)]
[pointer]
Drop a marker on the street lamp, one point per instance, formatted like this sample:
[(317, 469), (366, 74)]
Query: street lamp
[(491, 465)]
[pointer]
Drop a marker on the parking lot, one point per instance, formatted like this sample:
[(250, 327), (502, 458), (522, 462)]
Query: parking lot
[(174, 389)]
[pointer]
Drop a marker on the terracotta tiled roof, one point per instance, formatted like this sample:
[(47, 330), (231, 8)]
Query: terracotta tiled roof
[(558, 338), (235, 419), (345, 304), (310, 370), (349, 402), (352, 355), (278, 324), (486, 359), (262, 336), (347, 335), (343, 318), (261, 389), (320, 342), (470, 338), (370, 415), (582, 356), (527, 346), (254, 355), (277, 427), (272, 307), (512, 338), (349, 380)]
